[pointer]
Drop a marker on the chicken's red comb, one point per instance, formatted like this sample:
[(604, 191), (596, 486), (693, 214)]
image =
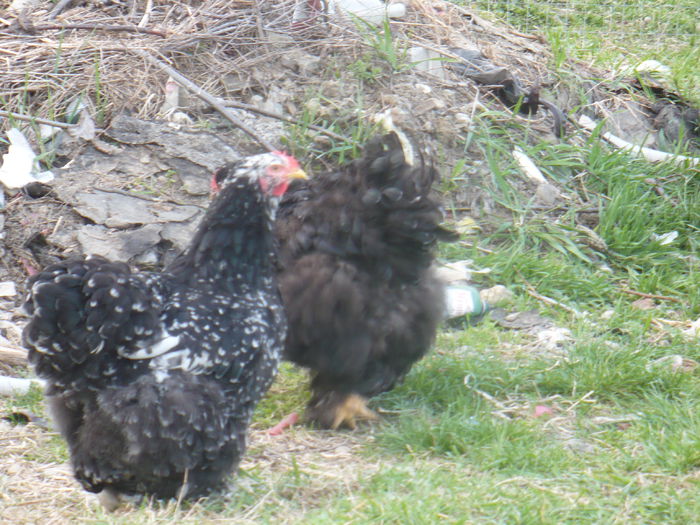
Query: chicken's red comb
[(293, 163)]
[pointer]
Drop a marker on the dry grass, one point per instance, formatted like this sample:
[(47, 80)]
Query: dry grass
[(33, 490), (45, 67), (295, 471)]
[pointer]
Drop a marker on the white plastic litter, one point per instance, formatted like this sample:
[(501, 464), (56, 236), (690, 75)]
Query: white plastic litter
[(8, 289), (528, 166), (665, 238), (15, 385), (649, 154), (371, 11), (18, 163)]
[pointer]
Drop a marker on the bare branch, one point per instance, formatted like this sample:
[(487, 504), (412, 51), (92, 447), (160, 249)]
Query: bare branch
[(98, 27), (29, 118), (650, 295), (59, 8), (204, 95)]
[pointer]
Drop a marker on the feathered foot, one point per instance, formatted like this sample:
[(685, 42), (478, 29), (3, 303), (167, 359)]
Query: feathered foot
[(334, 410), (111, 499)]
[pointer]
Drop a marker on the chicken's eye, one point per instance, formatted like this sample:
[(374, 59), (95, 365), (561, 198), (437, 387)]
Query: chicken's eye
[(276, 169)]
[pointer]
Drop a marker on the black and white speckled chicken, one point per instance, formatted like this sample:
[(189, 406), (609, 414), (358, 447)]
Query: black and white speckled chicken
[(363, 305), (152, 377)]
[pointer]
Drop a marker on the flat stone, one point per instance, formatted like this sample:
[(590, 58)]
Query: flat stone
[(116, 210), (118, 245)]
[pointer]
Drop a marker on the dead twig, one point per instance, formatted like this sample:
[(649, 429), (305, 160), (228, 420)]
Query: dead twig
[(147, 14), (204, 95), (61, 6), (550, 301), (29, 118), (98, 27), (650, 295), (503, 409), (547, 300)]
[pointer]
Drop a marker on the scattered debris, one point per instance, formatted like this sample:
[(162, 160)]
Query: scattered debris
[(676, 123), (464, 300), (553, 302), (607, 315), (18, 168), (675, 363), (85, 129), (207, 97), (548, 195), (655, 74), (120, 246), (631, 123), (150, 161), (649, 154), (553, 338), (547, 337), (665, 238), (506, 85), (8, 289), (371, 12), (528, 167), (689, 329), (694, 329), (192, 154), (625, 419), (543, 410), (496, 295), (428, 61), (649, 295), (52, 124), (457, 271), (10, 386)]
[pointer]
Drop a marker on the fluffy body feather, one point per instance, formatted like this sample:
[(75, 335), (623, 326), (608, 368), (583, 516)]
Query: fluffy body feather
[(356, 247), (153, 377)]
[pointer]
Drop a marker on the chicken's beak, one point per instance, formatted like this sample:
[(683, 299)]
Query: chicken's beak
[(297, 174)]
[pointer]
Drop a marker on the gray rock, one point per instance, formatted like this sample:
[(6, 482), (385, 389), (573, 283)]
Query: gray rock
[(547, 195), (119, 245), (633, 125), (116, 210)]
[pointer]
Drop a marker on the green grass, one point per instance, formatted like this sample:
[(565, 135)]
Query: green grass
[(634, 202), (612, 34)]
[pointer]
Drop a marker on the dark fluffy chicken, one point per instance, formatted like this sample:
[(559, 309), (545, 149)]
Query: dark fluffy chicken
[(361, 301), (152, 377)]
